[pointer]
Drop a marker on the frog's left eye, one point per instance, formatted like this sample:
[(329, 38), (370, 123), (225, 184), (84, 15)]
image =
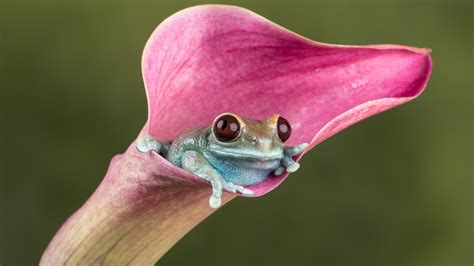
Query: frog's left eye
[(226, 128), (284, 129)]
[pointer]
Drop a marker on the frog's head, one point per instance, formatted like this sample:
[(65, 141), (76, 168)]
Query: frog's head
[(235, 136)]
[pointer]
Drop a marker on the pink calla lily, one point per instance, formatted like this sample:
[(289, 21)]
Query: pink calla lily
[(211, 59)]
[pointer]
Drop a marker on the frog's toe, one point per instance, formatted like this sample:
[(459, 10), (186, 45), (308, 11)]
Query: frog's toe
[(297, 149), (148, 143), (292, 167), (214, 202), (245, 191), (231, 187), (237, 189), (279, 171)]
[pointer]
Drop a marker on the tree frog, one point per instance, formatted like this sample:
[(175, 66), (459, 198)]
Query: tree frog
[(232, 153)]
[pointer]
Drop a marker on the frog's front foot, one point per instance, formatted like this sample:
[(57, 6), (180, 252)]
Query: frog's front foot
[(237, 189), (148, 143), (287, 163)]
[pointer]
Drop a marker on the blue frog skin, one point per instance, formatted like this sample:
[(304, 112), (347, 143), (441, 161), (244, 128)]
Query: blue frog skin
[(232, 153)]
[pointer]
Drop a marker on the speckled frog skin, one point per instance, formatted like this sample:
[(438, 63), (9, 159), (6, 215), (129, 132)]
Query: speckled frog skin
[(232, 153)]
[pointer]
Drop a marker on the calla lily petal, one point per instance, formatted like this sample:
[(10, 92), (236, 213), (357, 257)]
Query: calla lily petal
[(212, 59), (208, 60)]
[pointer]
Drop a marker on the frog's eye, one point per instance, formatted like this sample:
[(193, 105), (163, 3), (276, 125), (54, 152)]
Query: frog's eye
[(226, 128), (284, 128)]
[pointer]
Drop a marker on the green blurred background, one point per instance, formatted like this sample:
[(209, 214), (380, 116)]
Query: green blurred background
[(395, 189)]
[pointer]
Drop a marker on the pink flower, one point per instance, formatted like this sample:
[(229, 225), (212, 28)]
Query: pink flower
[(211, 59)]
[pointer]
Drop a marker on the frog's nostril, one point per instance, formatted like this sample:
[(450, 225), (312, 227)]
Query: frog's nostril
[(254, 140)]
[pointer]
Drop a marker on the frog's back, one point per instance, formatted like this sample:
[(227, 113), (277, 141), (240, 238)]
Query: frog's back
[(196, 140)]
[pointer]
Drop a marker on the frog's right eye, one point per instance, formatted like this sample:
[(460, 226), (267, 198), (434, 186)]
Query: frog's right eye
[(226, 128), (284, 129)]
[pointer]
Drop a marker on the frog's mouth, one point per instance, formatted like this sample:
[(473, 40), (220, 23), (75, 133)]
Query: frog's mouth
[(249, 154)]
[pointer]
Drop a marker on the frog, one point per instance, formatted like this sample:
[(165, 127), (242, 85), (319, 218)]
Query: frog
[(231, 154)]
